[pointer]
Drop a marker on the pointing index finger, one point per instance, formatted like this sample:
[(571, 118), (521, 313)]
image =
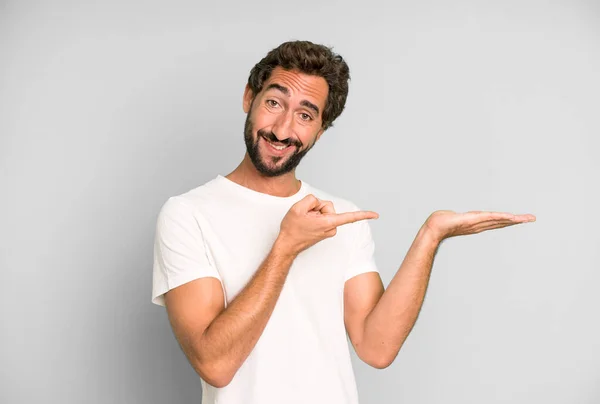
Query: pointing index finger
[(350, 217)]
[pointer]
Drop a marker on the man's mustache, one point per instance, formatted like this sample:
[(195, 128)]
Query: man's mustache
[(270, 136)]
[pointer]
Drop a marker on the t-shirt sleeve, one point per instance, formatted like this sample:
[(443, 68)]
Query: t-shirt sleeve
[(180, 254), (362, 251)]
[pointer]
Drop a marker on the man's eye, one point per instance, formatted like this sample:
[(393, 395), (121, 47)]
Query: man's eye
[(272, 103), (306, 117)]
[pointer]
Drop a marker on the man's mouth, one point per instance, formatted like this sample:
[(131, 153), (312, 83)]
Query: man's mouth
[(278, 147)]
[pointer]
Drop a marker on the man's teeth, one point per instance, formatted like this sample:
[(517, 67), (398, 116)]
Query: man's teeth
[(277, 147)]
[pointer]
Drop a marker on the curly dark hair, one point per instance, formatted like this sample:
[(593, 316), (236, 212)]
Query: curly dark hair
[(312, 59)]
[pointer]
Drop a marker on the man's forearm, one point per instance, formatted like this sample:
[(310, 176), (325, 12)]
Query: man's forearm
[(393, 317), (231, 336)]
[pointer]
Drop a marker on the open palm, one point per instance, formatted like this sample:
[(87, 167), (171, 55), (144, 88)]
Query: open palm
[(446, 223)]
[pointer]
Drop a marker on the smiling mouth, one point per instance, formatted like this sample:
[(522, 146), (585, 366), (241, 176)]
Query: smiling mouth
[(277, 147)]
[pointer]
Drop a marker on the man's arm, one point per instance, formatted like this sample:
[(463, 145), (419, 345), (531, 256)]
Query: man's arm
[(378, 322), (215, 340)]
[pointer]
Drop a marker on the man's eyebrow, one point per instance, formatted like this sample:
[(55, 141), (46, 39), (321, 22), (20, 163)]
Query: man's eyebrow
[(285, 91), (310, 105), (278, 87)]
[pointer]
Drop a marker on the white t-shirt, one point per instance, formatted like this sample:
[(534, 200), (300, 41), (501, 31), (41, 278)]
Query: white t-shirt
[(224, 230)]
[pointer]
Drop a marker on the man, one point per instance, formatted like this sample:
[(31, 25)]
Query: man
[(263, 276)]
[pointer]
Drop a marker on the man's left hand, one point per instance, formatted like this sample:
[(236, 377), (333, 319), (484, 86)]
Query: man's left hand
[(446, 223)]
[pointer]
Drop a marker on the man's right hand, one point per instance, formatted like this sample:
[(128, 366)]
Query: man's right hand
[(311, 220)]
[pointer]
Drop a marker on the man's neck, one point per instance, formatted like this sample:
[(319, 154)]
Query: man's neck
[(246, 175)]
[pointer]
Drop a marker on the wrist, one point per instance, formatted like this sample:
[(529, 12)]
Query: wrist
[(283, 248), (431, 234)]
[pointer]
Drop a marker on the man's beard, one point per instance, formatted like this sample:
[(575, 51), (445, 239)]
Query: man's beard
[(271, 170)]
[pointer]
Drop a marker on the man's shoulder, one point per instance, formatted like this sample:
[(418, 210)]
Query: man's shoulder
[(194, 198)]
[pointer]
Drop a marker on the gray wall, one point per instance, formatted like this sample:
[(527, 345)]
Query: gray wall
[(109, 108)]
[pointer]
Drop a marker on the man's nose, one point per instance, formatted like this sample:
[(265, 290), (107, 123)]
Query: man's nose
[(283, 126)]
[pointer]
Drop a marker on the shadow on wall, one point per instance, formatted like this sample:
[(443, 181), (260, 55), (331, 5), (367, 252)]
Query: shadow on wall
[(142, 359)]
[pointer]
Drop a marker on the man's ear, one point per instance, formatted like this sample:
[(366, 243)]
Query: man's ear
[(319, 134), (248, 95)]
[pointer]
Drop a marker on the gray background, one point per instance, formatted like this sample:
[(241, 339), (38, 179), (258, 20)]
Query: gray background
[(109, 108)]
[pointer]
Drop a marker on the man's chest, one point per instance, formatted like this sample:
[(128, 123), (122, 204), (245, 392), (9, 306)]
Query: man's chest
[(238, 245)]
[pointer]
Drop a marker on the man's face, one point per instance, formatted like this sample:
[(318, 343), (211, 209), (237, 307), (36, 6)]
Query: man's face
[(284, 120)]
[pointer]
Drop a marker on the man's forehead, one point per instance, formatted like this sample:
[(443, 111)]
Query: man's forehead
[(300, 83)]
